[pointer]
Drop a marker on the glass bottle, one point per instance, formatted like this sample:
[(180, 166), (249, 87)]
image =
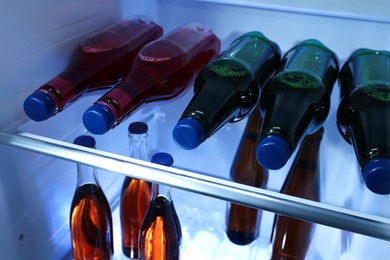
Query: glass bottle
[(296, 102), (363, 114), (160, 236), (227, 89), (100, 61), (243, 223), (135, 193), (163, 69), (90, 215), (291, 237)]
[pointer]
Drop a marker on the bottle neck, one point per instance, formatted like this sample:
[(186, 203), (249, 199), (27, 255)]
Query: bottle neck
[(86, 175), (159, 190), (310, 146), (138, 146)]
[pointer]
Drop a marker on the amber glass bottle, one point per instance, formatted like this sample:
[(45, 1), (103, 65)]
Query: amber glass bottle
[(243, 223), (135, 195), (90, 214), (291, 237), (160, 236)]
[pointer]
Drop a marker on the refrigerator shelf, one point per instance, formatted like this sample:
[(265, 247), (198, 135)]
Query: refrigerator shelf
[(362, 223)]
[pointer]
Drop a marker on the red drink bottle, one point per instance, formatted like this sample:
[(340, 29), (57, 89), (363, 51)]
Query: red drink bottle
[(90, 215), (136, 194), (100, 61), (160, 236), (162, 70)]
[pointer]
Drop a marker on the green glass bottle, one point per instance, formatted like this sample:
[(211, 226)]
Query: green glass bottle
[(363, 114), (296, 101), (228, 88)]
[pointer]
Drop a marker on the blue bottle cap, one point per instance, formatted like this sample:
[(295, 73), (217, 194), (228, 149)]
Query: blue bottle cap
[(85, 140), (39, 106), (376, 174), (273, 152), (98, 119), (188, 133), (162, 158), (138, 128)]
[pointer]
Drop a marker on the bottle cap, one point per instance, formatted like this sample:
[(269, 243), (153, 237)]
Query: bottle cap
[(162, 158), (138, 128), (98, 119), (376, 174), (85, 140), (39, 106), (188, 133), (273, 152)]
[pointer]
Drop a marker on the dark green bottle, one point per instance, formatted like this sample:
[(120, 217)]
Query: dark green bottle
[(296, 101), (228, 88), (363, 115)]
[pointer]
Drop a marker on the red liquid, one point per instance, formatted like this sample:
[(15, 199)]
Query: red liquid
[(163, 69), (135, 200), (101, 60), (160, 237), (91, 224)]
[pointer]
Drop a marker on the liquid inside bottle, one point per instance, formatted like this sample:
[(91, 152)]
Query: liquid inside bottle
[(227, 89), (90, 214), (162, 70), (160, 236), (135, 193), (291, 238), (102, 60), (362, 114), (91, 225), (296, 102), (243, 223)]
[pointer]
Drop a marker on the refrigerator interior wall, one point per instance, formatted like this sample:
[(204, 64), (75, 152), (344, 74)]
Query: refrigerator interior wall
[(36, 190)]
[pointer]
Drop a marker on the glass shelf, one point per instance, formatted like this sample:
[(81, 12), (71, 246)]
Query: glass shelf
[(337, 217)]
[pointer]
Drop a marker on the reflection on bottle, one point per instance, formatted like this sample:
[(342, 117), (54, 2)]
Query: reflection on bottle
[(101, 60), (243, 223), (363, 112), (90, 215), (291, 237), (162, 70), (227, 89), (160, 236), (296, 102), (135, 194)]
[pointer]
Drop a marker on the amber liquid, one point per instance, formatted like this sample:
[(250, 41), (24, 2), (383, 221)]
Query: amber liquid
[(135, 198), (243, 223), (101, 60), (161, 233), (291, 237), (91, 224)]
